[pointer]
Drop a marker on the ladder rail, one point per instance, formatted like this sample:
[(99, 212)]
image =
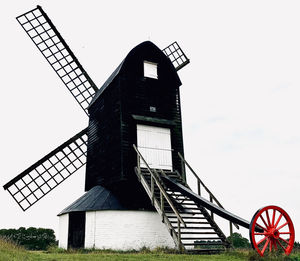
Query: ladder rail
[(173, 213), (161, 212), (200, 183), (162, 190)]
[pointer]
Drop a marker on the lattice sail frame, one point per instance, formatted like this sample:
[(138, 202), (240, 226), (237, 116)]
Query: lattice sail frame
[(43, 176), (176, 55), (50, 43)]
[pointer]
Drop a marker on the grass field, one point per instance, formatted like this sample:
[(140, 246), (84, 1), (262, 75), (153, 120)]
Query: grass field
[(12, 252)]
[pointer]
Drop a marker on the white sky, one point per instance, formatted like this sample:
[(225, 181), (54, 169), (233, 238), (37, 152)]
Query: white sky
[(240, 94)]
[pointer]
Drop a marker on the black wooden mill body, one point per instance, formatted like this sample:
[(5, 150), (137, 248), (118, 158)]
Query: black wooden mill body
[(126, 99)]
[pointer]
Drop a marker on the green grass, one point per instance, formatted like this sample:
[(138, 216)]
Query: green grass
[(12, 252)]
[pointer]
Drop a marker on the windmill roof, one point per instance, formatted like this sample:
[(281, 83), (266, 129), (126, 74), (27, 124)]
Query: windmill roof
[(144, 47), (97, 198), (107, 82)]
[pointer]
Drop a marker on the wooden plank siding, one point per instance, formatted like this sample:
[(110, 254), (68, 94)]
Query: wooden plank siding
[(135, 101), (112, 128), (104, 140)]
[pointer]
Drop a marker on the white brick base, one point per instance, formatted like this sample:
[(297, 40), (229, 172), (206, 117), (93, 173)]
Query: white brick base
[(63, 231), (125, 230), (120, 230)]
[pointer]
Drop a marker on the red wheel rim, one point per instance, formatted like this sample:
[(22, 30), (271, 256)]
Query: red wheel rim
[(272, 229)]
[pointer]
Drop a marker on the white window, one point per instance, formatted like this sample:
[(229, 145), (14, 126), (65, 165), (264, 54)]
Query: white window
[(150, 70)]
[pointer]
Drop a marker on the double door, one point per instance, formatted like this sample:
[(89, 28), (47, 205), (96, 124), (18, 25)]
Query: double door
[(154, 143)]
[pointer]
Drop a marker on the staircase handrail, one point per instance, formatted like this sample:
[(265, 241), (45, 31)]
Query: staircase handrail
[(206, 188), (162, 190)]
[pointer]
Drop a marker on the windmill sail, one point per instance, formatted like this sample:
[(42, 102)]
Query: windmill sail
[(43, 176), (176, 55), (48, 40)]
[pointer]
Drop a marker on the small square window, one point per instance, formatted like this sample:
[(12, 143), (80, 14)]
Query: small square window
[(150, 70), (152, 109)]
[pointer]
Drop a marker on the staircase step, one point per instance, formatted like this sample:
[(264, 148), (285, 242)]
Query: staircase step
[(188, 204), (204, 244), (185, 217), (183, 210), (202, 238), (195, 228), (180, 199), (177, 196), (187, 207), (192, 232), (192, 226), (200, 251), (189, 222)]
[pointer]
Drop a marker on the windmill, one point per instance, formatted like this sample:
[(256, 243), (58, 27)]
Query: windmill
[(134, 157), (47, 173), (66, 159)]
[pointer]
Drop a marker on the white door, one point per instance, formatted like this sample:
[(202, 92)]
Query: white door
[(154, 143)]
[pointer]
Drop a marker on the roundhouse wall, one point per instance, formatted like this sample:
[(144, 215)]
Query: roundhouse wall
[(63, 231), (125, 230)]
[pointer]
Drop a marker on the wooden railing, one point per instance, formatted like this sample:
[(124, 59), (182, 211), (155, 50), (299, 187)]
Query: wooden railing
[(159, 203), (200, 184)]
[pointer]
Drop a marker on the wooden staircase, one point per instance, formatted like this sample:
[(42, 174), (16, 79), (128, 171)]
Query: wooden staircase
[(195, 231), (191, 226)]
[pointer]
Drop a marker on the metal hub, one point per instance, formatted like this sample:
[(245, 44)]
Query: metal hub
[(272, 233)]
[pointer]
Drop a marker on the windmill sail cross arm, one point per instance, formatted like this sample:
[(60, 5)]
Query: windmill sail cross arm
[(53, 47), (176, 55), (39, 179)]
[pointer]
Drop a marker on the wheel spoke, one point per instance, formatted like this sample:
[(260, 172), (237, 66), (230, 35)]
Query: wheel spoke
[(270, 248), (259, 234), (261, 217), (275, 245), (261, 227), (265, 246), (278, 220), (282, 225), (273, 218), (285, 233), (281, 245), (268, 218), (284, 240), (259, 242)]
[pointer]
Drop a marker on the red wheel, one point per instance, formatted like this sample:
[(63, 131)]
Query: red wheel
[(272, 229)]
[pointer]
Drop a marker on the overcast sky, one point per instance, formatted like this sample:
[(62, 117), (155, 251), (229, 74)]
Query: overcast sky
[(239, 95)]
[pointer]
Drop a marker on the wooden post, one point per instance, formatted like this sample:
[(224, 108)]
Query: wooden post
[(152, 189), (182, 171), (179, 235), (162, 204), (138, 163), (198, 185), (211, 200), (230, 228)]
